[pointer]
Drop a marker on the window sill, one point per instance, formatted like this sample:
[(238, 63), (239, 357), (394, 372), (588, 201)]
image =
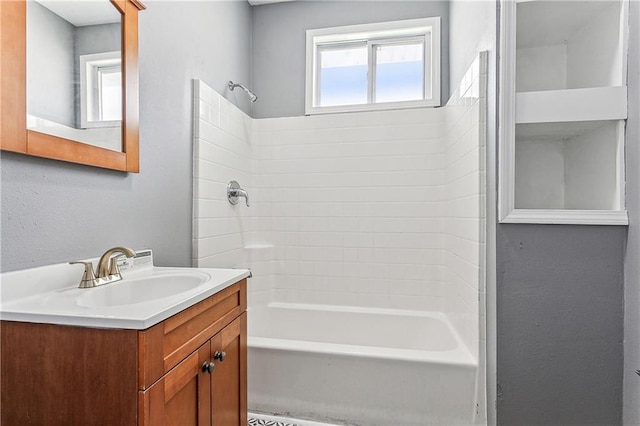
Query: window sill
[(429, 103)]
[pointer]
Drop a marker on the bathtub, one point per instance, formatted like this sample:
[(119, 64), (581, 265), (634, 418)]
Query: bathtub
[(359, 366)]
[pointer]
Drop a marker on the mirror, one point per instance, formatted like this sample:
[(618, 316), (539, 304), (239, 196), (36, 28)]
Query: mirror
[(69, 80), (74, 75)]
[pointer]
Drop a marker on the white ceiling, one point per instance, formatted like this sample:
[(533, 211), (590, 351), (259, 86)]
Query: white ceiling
[(86, 12)]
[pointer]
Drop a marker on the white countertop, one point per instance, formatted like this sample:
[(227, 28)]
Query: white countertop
[(50, 294)]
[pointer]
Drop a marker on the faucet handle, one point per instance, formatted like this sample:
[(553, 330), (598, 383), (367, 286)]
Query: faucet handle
[(88, 277), (113, 265), (234, 191)]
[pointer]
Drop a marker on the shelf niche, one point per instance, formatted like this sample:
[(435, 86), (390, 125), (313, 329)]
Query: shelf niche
[(568, 166), (569, 45), (563, 106)]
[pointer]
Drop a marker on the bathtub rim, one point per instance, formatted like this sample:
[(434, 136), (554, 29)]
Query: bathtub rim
[(459, 356)]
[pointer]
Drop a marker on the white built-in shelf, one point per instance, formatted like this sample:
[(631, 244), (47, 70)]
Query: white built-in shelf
[(563, 105), (552, 106), (567, 217)]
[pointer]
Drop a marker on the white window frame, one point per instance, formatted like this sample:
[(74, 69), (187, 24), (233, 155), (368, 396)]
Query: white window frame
[(90, 66), (426, 30)]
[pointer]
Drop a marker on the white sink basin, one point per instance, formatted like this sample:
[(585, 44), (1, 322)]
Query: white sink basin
[(146, 295), (132, 291)]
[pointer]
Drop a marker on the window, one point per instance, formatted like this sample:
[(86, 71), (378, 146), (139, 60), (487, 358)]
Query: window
[(101, 90), (373, 66)]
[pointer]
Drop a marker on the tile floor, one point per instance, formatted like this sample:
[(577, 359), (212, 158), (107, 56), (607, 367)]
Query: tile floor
[(256, 419), (261, 422)]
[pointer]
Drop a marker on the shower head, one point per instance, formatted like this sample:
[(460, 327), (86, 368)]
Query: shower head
[(252, 96)]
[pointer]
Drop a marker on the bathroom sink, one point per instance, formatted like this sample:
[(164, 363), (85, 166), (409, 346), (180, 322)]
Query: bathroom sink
[(132, 291), (146, 295)]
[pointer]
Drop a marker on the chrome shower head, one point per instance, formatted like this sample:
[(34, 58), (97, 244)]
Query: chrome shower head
[(252, 96)]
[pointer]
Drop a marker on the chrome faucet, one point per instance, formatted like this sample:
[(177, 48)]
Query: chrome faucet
[(107, 271), (234, 192)]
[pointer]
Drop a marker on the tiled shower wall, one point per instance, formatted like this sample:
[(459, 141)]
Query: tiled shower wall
[(376, 209), (355, 207), (221, 153), (465, 193), (223, 234)]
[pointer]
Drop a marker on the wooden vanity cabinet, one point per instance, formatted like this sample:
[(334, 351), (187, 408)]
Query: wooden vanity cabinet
[(207, 388), (67, 375)]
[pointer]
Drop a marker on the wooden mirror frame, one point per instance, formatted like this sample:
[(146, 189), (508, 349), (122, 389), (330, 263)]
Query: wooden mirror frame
[(14, 135)]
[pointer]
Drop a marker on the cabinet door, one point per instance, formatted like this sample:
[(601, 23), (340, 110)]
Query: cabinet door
[(229, 380), (182, 396)]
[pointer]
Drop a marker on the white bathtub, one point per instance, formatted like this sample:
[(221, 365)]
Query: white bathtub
[(359, 366)]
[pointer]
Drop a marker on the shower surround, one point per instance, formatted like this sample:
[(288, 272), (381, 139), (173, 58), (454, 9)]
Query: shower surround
[(371, 210)]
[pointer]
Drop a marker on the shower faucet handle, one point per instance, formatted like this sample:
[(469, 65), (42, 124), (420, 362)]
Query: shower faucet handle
[(234, 191)]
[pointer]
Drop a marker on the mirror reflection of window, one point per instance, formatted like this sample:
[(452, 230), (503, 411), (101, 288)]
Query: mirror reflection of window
[(74, 78), (110, 94), (101, 90)]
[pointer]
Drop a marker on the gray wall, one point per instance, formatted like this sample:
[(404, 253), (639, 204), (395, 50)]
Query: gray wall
[(559, 298), (97, 38), (54, 211), (279, 44), (50, 76), (632, 260), (472, 29)]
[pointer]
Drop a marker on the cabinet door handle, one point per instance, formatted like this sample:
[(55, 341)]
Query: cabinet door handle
[(220, 356), (207, 367)]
